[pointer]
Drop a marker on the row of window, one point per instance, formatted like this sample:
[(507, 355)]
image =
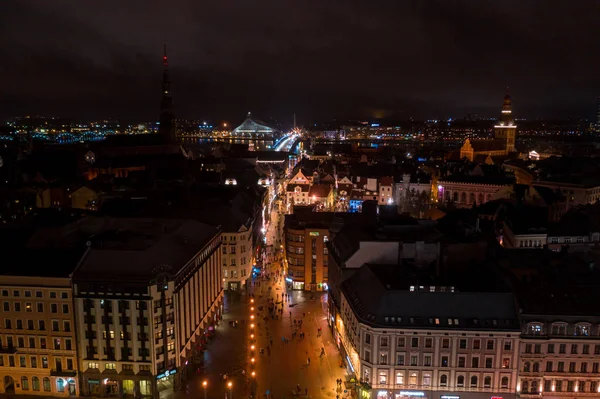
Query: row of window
[(583, 367), (413, 380), (33, 362), (57, 343), (28, 307), (89, 305), (92, 351), (35, 384), (582, 329), (427, 360), (559, 385), (562, 349), (41, 325), (476, 344), (38, 294), (242, 262), (234, 273), (113, 366), (232, 250)]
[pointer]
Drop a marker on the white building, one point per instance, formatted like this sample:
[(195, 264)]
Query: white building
[(426, 341), (146, 293), (237, 256)]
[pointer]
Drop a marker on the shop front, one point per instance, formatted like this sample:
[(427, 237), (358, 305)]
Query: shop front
[(429, 394)]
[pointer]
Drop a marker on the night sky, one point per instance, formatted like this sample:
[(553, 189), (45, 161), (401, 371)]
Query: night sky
[(322, 59)]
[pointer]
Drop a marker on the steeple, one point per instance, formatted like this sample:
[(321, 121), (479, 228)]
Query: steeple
[(167, 118), (506, 128)]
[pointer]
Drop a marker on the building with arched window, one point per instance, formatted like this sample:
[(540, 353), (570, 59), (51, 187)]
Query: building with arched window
[(409, 336), (37, 336)]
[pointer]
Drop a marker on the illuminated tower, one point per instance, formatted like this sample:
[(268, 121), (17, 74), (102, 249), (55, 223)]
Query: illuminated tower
[(167, 118), (506, 128)]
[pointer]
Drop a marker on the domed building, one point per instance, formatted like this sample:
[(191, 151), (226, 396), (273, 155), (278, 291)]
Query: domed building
[(254, 128)]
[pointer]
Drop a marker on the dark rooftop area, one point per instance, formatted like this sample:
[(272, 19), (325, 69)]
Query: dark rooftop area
[(132, 248), (381, 296)]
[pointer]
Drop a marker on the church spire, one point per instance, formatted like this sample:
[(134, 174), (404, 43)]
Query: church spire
[(167, 118)]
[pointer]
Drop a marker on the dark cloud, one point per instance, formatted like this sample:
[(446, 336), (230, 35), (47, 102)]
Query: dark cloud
[(320, 59)]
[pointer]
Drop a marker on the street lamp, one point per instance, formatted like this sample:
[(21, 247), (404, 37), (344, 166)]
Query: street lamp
[(253, 374), (230, 385), (204, 385)]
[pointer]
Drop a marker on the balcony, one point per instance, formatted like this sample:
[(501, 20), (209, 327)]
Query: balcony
[(11, 350), (63, 373)]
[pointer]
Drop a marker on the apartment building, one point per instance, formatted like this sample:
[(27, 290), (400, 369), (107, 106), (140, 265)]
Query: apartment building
[(236, 255), (306, 253), (407, 337), (37, 335), (147, 291), (560, 340)]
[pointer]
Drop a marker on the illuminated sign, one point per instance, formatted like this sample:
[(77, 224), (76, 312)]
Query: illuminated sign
[(166, 374), (289, 280), (496, 397), (314, 233), (449, 397), (412, 393)]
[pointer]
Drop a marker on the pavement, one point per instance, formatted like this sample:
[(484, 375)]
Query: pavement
[(282, 366)]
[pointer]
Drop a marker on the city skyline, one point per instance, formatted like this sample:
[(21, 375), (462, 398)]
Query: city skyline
[(326, 62)]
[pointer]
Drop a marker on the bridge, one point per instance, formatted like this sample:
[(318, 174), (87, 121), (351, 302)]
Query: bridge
[(287, 141), (62, 137)]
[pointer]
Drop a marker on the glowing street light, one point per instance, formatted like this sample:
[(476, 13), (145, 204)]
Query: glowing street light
[(252, 336), (253, 374), (230, 385), (252, 325), (252, 360), (204, 385), (252, 347)]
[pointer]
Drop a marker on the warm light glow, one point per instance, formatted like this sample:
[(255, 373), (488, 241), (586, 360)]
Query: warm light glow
[(252, 360), (204, 383), (505, 111), (229, 384), (252, 347), (251, 300), (252, 336), (252, 316), (253, 374), (252, 308), (251, 325)]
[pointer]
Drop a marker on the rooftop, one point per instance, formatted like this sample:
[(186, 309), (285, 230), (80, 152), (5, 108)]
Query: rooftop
[(252, 125), (133, 248), (379, 296)]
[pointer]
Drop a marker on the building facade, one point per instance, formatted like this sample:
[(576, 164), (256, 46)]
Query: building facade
[(145, 299), (307, 257), (559, 357), (503, 142), (236, 257), (416, 343), (37, 337), (466, 194)]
